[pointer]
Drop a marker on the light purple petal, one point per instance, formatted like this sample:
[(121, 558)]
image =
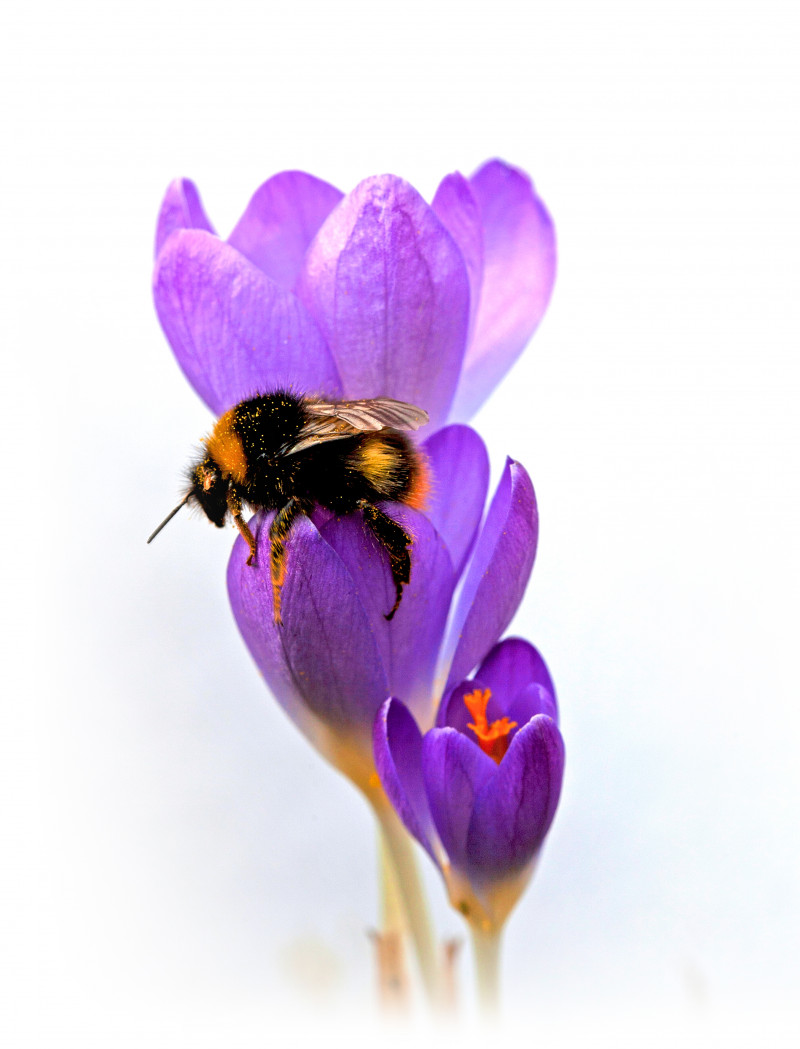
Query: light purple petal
[(181, 208), (498, 573), (324, 652), (280, 222), (233, 330), (455, 771), (514, 811), (456, 206), (459, 481), (410, 643), (511, 666), (397, 747), (389, 289), (519, 265)]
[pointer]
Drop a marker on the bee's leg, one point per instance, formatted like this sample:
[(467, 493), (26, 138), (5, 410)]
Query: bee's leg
[(235, 507), (278, 531), (396, 541)]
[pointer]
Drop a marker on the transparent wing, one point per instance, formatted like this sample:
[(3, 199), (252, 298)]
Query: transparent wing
[(333, 420)]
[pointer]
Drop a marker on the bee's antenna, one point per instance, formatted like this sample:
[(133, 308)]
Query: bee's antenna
[(169, 517)]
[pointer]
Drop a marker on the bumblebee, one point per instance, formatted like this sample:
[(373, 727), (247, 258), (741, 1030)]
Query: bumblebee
[(288, 453)]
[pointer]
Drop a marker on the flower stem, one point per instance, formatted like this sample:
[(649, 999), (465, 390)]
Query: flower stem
[(400, 856), (392, 912), (486, 951), (390, 945)]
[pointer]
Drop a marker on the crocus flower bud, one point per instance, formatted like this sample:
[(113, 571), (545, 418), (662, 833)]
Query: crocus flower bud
[(480, 789)]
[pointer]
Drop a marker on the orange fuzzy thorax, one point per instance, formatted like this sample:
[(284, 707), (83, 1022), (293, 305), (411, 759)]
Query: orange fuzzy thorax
[(225, 448)]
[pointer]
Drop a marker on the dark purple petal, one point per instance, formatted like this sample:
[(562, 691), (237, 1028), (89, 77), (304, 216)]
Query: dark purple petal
[(452, 711), (533, 700), (397, 747), (456, 206), (519, 265), (280, 222), (455, 771), (324, 653), (233, 330), (514, 811), (410, 643), (389, 289), (498, 573), (511, 666), (459, 481), (181, 208)]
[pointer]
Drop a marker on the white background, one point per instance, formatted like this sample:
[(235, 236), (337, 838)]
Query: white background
[(178, 866)]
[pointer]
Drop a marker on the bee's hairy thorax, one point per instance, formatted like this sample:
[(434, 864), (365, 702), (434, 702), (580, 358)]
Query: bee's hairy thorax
[(248, 443)]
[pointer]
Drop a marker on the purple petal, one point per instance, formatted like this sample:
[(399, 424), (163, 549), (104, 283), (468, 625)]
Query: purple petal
[(324, 655), (511, 666), (410, 643), (456, 206), (498, 573), (397, 746), (455, 771), (453, 712), (181, 208), (514, 811), (233, 330), (519, 266), (533, 700), (460, 479), (389, 289), (280, 222)]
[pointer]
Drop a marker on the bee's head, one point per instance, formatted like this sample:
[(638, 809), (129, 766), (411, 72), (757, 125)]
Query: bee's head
[(209, 490)]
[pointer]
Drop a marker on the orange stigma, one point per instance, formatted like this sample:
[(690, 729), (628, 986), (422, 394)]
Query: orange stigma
[(493, 739)]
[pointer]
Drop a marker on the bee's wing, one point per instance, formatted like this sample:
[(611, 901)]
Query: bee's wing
[(333, 420)]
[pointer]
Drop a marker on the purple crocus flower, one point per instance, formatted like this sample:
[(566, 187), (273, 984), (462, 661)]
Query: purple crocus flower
[(373, 293), (336, 659), (479, 790)]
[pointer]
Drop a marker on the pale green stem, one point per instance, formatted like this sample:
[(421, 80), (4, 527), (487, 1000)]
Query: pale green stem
[(486, 951), (400, 854)]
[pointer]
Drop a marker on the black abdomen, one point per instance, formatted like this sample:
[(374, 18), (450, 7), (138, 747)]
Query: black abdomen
[(341, 474)]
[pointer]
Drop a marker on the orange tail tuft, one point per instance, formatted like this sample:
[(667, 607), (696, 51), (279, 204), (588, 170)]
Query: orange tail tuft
[(419, 489)]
